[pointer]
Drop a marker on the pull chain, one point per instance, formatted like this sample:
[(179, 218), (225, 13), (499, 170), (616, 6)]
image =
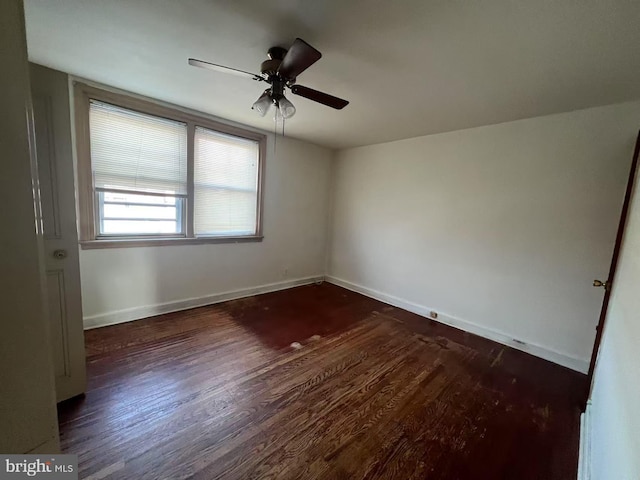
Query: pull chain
[(277, 119)]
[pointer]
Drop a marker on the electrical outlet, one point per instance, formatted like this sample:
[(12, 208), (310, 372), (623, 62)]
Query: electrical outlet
[(285, 272), (433, 314)]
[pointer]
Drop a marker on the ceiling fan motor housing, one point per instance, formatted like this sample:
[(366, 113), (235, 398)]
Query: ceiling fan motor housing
[(270, 66)]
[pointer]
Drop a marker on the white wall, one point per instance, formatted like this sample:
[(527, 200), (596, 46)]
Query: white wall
[(615, 400), (501, 229), (126, 283), (28, 420)]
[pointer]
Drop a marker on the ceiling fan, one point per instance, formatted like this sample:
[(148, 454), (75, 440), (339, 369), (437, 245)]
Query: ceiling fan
[(280, 72)]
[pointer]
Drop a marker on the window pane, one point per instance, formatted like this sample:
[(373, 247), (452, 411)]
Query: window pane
[(135, 214), (225, 184), (225, 212), (139, 211), (135, 227)]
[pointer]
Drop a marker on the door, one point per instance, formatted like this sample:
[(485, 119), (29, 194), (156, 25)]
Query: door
[(614, 262), (52, 119)]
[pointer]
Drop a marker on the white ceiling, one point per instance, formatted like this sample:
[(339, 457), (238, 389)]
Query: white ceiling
[(409, 67)]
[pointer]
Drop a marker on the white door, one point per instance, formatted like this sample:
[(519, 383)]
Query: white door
[(52, 118)]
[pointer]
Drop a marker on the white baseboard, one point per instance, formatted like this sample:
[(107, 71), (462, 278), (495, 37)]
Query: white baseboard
[(136, 313), (584, 459), (578, 364)]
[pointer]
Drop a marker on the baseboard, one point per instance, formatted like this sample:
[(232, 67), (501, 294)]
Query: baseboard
[(574, 363), (584, 459), (136, 313)]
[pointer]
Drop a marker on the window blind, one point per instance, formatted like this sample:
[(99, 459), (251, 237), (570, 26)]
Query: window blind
[(136, 151), (225, 184)]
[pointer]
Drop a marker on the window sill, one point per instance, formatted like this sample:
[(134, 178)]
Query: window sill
[(161, 242)]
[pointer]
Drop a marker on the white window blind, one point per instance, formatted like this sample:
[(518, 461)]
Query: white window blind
[(225, 184), (135, 151)]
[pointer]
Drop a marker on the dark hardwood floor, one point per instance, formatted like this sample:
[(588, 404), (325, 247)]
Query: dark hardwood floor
[(372, 391)]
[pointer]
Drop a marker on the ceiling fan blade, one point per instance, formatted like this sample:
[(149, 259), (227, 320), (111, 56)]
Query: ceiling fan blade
[(320, 97), (223, 69), (300, 56)]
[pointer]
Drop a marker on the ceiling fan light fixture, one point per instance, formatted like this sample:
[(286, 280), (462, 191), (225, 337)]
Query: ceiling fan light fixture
[(262, 104), (287, 110)]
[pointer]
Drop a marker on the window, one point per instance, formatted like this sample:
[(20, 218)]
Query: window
[(139, 170), (149, 174), (226, 184)]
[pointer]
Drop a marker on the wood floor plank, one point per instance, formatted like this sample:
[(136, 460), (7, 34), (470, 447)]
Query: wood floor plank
[(369, 391)]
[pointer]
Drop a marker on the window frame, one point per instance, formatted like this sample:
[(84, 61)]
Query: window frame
[(87, 198)]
